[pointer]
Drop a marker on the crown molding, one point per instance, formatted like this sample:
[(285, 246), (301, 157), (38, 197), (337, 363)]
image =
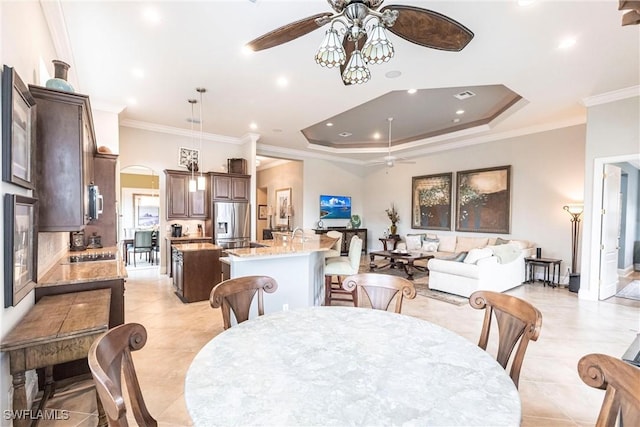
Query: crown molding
[(272, 150), (53, 14), (612, 96), (108, 107), (153, 127)]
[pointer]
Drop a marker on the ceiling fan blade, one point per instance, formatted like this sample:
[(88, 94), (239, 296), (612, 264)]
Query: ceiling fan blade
[(286, 33), (349, 46), (430, 29)]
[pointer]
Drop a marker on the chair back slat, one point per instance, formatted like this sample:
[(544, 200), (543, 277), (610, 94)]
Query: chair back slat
[(109, 361), (621, 381), (381, 289), (237, 294), (518, 323)]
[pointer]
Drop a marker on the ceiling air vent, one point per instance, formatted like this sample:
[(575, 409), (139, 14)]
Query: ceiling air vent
[(465, 95), (345, 134)]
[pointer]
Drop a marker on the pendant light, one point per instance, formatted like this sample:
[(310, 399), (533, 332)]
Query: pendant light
[(202, 182), (192, 163)]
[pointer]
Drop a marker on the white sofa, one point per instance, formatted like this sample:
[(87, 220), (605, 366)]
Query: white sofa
[(499, 269), (462, 265)]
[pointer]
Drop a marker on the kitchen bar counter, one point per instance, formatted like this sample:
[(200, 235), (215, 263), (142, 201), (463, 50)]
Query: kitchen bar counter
[(66, 272), (306, 245), (187, 247)]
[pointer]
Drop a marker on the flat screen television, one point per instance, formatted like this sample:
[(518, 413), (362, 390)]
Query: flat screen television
[(335, 207)]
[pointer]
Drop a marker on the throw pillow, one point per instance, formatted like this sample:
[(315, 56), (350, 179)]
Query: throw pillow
[(501, 241), (460, 257), (447, 244), (430, 245), (522, 244), (506, 253), (475, 255), (414, 242)]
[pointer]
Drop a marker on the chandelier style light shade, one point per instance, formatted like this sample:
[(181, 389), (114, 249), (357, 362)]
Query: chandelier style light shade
[(378, 48), (202, 182), (575, 211), (356, 71), (331, 53)]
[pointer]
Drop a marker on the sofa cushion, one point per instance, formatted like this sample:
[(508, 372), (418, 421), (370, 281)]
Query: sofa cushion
[(430, 245), (522, 244), (447, 243), (500, 241), (468, 243), (460, 257), (414, 242), (477, 254)]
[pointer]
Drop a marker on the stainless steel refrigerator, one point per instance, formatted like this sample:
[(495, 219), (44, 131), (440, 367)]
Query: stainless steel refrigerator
[(232, 224)]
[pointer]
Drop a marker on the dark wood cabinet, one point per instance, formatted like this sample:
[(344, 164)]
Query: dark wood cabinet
[(106, 225), (181, 203), (347, 235), (196, 273), (65, 149), (230, 187), (170, 241)]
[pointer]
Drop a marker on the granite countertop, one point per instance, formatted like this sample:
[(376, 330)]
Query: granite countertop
[(67, 272), (190, 237), (300, 245), (185, 247)]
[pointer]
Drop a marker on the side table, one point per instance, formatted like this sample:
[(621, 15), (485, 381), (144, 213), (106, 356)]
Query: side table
[(393, 238), (546, 264)]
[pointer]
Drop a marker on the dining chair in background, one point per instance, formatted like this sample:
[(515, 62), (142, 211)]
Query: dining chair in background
[(110, 361), (336, 248), (621, 381), (517, 321), (380, 289), (237, 294), (340, 267), (142, 244)]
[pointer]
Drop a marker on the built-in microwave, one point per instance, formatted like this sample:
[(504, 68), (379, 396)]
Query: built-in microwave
[(96, 202)]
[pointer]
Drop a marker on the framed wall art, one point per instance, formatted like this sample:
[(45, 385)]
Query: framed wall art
[(20, 247), (262, 212), (483, 200), (283, 201), (18, 130), (186, 156), (431, 201)]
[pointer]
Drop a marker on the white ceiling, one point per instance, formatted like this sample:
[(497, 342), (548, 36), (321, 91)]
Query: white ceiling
[(199, 44)]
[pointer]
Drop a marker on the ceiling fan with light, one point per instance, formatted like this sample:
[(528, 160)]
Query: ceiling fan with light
[(364, 20), (390, 160)]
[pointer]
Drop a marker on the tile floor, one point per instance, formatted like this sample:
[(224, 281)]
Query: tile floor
[(551, 390)]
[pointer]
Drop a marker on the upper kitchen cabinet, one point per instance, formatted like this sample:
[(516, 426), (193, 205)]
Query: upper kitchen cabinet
[(230, 187), (65, 149), (181, 203)]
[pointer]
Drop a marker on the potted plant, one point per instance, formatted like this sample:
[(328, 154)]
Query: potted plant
[(392, 213), (355, 221)]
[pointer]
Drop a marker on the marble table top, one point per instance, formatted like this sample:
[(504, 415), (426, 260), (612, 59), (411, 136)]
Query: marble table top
[(338, 366)]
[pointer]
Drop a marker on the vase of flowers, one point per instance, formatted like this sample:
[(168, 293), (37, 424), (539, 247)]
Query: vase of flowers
[(392, 213)]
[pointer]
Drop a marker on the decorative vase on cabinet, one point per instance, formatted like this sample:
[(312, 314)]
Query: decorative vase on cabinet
[(59, 81)]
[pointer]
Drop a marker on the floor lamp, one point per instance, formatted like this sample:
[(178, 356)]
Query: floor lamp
[(574, 277)]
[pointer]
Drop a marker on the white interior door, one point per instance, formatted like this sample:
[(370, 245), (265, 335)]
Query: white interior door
[(610, 236)]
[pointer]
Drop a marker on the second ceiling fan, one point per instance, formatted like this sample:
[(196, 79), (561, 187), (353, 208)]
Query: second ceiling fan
[(365, 21), (390, 160)]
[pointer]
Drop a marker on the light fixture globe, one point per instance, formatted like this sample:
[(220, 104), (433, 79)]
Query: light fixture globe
[(331, 53), (356, 71), (378, 48)]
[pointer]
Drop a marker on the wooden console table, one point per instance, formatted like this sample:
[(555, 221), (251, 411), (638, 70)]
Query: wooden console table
[(59, 328)]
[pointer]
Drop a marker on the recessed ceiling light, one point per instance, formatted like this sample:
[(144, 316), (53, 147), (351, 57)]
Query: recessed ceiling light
[(137, 72), (132, 101), (282, 81), (376, 135), (567, 43), (329, 124), (460, 112), (456, 120), (246, 49), (393, 74), (412, 91), (253, 125), (525, 3), (151, 15)]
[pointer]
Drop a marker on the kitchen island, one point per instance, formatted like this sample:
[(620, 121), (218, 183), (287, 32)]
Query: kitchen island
[(196, 270), (296, 264)]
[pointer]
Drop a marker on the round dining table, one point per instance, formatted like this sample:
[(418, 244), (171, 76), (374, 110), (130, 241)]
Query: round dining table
[(338, 366)]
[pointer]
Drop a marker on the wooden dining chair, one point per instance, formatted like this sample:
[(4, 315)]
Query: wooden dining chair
[(237, 294), (109, 361), (517, 321), (621, 381), (381, 289), (142, 243)]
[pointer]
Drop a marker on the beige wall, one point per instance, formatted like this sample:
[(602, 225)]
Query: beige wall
[(288, 175)]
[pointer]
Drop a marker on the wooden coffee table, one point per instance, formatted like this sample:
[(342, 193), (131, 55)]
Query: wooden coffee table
[(406, 260)]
